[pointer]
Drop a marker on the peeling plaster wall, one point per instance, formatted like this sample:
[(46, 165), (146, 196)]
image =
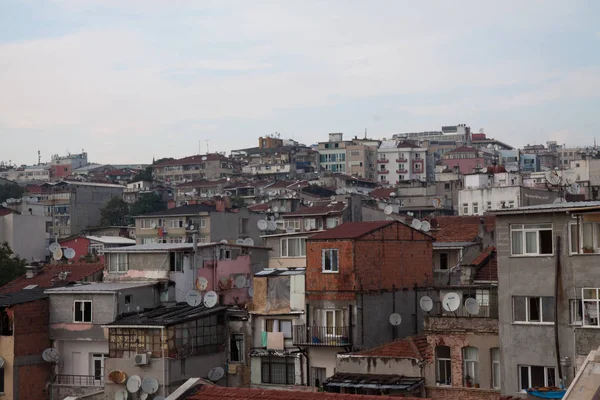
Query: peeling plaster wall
[(377, 366)]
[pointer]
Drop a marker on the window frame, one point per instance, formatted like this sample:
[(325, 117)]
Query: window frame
[(470, 365), (465, 207), (118, 268), (269, 361), (287, 247), (475, 207), (440, 267), (331, 269), (495, 366), (580, 241), (523, 229), (546, 375), (447, 362), (83, 319), (584, 311), (576, 312), (528, 320), (237, 338), (334, 329)]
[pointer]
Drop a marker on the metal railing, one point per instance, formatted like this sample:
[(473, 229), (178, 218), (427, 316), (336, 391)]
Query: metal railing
[(332, 336), (78, 380), (489, 310)]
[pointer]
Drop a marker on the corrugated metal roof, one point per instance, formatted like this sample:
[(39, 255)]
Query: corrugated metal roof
[(166, 316), (99, 287), (111, 240), (281, 271), (23, 296), (371, 381)]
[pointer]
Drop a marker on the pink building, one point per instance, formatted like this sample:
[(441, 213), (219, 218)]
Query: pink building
[(467, 159)]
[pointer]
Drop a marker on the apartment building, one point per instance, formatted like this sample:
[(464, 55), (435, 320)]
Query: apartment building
[(332, 154), (399, 161), (361, 157), (63, 166), (187, 169), (25, 234), (27, 173), (548, 292)]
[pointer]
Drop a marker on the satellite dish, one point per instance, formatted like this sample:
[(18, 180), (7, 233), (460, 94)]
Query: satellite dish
[(239, 241), (69, 253), (118, 377), (388, 209), (472, 306), (210, 299), (425, 226), (291, 229), (143, 396), (50, 355), (204, 158), (574, 188), (153, 225), (121, 395), (203, 194), (416, 224), (4, 204), (201, 283), (275, 209), (240, 281), (451, 302), (193, 298), (53, 247), (282, 209), (262, 224), (191, 227), (307, 225), (224, 241), (58, 254), (248, 242), (272, 225), (395, 319), (552, 178), (276, 215), (134, 383), (437, 203), (251, 291), (332, 198), (216, 373), (389, 218), (150, 385), (426, 303)]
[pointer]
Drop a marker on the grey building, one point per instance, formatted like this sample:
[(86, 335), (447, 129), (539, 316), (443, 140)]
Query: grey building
[(548, 292)]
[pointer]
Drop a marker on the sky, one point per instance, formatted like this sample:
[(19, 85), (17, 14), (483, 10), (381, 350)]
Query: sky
[(129, 80)]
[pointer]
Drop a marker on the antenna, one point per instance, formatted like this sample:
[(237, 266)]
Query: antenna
[(215, 374), (210, 299), (134, 383), (451, 302), (426, 303), (388, 209), (416, 223), (150, 385), (51, 355), (472, 306), (193, 298), (425, 226), (201, 283), (248, 242), (395, 319)]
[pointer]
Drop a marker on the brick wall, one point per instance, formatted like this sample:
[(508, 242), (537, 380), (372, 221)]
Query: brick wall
[(32, 380), (451, 393), (319, 283), (31, 327)]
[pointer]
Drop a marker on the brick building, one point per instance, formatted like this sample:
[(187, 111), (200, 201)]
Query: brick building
[(357, 275)]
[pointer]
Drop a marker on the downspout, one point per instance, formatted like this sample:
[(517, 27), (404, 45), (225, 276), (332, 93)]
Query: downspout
[(162, 341), (557, 273), (416, 311), (393, 310), (306, 354)]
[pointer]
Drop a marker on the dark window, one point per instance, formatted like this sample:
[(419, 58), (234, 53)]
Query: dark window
[(546, 242), (236, 347), (534, 308), (83, 311), (1, 380), (277, 370), (127, 299), (443, 260)]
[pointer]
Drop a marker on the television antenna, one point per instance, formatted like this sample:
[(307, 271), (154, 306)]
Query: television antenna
[(395, 319), (472, 306), (215, 374), (210, 299), (426, 303), (193, 298), (388, 209), (51, 355), (451, 302)]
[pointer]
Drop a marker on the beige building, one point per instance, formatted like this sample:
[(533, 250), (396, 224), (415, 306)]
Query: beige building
[(209, 166)]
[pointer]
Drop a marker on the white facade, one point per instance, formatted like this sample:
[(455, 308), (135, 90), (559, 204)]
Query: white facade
[(399, 161), (478, 201), (27, 174)]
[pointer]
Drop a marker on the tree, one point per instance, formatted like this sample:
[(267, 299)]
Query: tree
[(115, 212), (147, 203), (163, 159), (11, 265), (145, 175), (11, 190)]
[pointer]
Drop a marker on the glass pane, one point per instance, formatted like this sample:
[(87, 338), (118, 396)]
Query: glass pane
[(587, 238), (442, 352), (537, 376), (548, 309), (545, 242), (589, 294), (470, 353), (551, 377), (534, 308), (284, 248), (495, 354), (339, 318), (334, 260), (519, 308), (524, 373), (329, 318), (573, 238), (531, 242), (591, 312), (517, 242), (496, 375)]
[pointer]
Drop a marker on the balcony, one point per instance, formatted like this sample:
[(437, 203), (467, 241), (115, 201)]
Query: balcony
[(485, 311), (78, 380), (383, 171), (401, 160), (382, 161), (322, 336), (401, 171), (384, 182)]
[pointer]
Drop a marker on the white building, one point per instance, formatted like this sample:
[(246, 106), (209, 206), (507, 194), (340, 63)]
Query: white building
[(487, 192), (399, 161), (332, 154), (27, 173)]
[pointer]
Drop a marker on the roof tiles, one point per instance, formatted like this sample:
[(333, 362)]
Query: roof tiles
[(351, 230), (415, 347), (460, 228)]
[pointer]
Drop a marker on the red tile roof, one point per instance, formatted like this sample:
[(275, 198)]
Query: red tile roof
[(230, 393), (318, 209), (415, 347), (351, 230), (5, 211), (49, 273), (259, 207), (487, 262), (459, 228), (382, 193)]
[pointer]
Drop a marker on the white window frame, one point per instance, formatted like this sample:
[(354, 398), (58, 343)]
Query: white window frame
[(475, 208), (576, 313), (465, 208), (587, 302), (294, 223), (331, 270), (470, 366), (81, 304), (332, 222), (524, 229), (287, 247), (447, 366), (527, 311), (225, 254), (546, 374), (332, 329), (579, 238), (495, 359), (146, 223), (119, 267)]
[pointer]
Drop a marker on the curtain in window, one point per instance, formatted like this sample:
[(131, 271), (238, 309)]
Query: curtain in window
[(517, 242), (531, 242)]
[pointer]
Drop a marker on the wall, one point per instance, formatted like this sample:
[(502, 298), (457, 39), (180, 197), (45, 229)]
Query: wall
[(26, 235), (142, 266), (79, 244), (377, 366), (62, 326), (7, 344), (452, 393), (495, 195), (76, 355), (86, 203), (324, 357), (222, 281)]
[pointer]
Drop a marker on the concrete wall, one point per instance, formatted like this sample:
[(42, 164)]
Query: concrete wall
[(324, 357), (86, 203), (495, 195), (142, 266), (76, 355), (25, 234), (377, 366)]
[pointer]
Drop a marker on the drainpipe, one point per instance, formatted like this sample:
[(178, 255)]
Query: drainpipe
[(306, 330), (162, 340), (557, 273)]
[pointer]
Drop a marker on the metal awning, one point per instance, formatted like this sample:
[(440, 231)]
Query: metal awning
[(380, 382)]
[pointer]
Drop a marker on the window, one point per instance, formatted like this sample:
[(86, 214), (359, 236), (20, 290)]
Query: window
[(401, 167), (591, 304), (293, 223), (585, 238), (82, 311), (293, 247), (495, 357), (511, 204), (489, 205), (446, 186), (531, 239), (278, 370), (225, 254), (236, 347), (575, 312), (475, 208), (279, 325), (465, 207), (533, 309), (443, 365), (127, 299), (531, 375), (176, 261), (117, 262), (330, 260), (176, 223), (470, 366), (318, 376), (146, 223), (332, 222), (333, 321), (443, 260)]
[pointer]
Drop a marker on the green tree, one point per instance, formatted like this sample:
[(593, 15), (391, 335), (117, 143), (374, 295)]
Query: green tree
[(115, 212), (145, 175), (11, 266), (147, 203), (162, 159), (11, 190)]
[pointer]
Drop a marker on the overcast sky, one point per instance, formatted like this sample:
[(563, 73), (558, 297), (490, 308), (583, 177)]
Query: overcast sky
[(128, 80)]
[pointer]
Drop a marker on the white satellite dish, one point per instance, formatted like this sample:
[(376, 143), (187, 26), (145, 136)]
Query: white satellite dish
[(332, 198), (275, 209), (395, 319), (338, 191), (239, 241), (416, 223), (224, 241), (344, 190), (204, 158), (121, 395), (472, 306), (271, 225), (143, 396), (388, 209), (290, 229), (191, 227), (437, 202), (276, 215), (193, 298), (134, 383), (153, 225), (262, 224), (210, 299), (574, 188), (58, 254), (215, 374), (425, 226), (203, 195), (307, 225), (69, 253), (282, 209), (389, 218), (248, 242), (53, 247), (451, 302), (392, 194), (426, 303), (150, 385), (201, 283), (4, 204), (251, 291), (1, 362), (552, 178), (51, 355), (240, 281)]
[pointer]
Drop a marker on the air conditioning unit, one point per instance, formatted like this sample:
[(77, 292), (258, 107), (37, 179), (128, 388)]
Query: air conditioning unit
[(141, 359)]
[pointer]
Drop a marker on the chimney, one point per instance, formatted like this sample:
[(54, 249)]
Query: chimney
[(31, 271), (220, 204)]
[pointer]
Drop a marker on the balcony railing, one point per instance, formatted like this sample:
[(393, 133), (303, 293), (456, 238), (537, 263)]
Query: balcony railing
[(79, 380), (401, 171), (383, 171), (401, 160), (382, 161), (490, 310), (338, 336)]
